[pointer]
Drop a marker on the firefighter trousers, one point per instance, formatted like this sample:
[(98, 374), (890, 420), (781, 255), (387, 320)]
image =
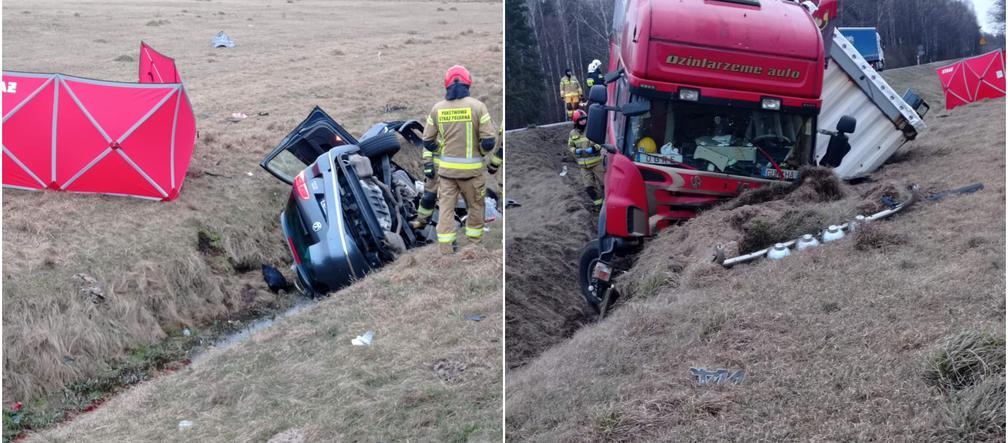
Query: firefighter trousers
[(593, 178), (573, 102), (428, 199), (473, 191)]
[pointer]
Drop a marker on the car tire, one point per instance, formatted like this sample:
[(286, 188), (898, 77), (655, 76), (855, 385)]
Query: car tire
[(586, 264), (380, 145)]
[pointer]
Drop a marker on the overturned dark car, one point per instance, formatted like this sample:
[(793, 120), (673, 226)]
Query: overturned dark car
[(350, 203)]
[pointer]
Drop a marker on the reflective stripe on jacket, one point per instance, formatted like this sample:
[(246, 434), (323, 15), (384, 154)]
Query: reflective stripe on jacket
[(577, 140), (457, 126), (569, 86)]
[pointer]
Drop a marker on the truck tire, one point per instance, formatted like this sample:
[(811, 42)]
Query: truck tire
[(382, 144), (586, 264)]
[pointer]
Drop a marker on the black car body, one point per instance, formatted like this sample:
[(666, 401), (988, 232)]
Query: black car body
[(349, 205)]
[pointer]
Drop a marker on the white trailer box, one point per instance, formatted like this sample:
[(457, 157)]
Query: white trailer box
[(884, 121)]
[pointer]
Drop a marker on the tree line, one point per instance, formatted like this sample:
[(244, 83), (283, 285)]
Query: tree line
[(545, 37)]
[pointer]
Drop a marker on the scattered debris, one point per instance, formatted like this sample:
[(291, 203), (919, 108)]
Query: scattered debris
[(185, 425), (509, 203), (969, 189), (721, 376), (90, 289), (186, 332), (237, 117), (475, 317), (449, 371), (363, 340), (249, 173), (563, 172), (221, 40), (274, 279), (262, 113), (292, 435)]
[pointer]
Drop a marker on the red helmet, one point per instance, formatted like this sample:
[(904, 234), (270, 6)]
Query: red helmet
[(579, 115), (457, 72)]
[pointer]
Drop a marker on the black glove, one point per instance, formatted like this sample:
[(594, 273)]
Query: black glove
[(428, 169)]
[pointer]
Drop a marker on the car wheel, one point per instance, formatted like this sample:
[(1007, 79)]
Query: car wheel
[(379, 145)]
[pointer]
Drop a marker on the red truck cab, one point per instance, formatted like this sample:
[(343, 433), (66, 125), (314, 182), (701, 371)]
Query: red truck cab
[(705, 99)]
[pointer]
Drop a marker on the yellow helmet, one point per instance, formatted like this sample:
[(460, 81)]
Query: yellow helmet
[(647, 144)]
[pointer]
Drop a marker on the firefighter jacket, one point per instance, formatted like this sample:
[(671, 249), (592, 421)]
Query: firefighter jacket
[(458, 127), (579, 142), (569, 86)]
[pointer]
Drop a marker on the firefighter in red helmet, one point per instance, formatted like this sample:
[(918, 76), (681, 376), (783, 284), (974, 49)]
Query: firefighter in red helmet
[(588, 156), (459, 130)]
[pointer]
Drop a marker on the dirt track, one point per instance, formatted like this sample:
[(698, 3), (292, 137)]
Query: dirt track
[(544, 237)]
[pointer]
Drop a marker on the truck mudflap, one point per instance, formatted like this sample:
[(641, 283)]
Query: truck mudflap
[(884, 120)]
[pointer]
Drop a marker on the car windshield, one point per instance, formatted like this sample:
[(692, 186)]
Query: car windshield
[(724, 139)]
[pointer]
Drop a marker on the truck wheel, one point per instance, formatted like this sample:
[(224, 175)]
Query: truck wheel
[(586, 265)]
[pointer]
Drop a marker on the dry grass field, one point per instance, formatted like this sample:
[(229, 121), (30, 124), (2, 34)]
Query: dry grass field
[(430, 374), (361, 61), (896, 334)]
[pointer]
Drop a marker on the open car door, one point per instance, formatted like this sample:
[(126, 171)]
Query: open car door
[(316, 135)]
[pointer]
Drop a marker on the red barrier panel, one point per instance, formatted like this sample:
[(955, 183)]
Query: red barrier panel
[(83, 135), (972, 79)]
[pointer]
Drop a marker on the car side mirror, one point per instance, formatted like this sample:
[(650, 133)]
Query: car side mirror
[(597, 94), (596, 128), (846, 125), (636, 108)]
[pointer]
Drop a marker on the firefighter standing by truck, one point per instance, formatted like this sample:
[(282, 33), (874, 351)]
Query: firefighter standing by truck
[(589, 157), (460, 130), (594, 76), (570, 92)]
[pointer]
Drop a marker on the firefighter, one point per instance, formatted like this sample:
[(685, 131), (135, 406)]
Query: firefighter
[(594, 76), (570, 92), (459, 129), (429, 197), (589, 156)]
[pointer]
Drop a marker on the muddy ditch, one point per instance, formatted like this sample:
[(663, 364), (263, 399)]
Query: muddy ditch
[(544, 237)]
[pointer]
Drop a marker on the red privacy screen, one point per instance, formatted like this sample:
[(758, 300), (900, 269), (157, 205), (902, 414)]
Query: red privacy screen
[(83, 135), (973, 79)]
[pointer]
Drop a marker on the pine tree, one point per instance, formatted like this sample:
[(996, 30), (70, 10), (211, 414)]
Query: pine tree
[(523, 76)]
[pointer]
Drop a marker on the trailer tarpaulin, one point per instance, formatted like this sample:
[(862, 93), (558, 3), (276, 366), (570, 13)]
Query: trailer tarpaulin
[(973, 79), (83, 135)]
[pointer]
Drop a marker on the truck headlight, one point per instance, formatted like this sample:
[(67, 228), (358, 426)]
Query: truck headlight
[(771, 104), (690, 95)]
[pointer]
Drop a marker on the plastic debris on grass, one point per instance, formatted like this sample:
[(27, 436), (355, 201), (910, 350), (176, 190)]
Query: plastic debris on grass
[(721, 376), (363, 340), (221, 40)]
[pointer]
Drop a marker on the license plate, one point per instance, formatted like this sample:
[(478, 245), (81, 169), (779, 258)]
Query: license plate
[(602, 271)]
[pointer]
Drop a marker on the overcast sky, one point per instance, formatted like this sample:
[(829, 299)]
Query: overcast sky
[(982, 7)]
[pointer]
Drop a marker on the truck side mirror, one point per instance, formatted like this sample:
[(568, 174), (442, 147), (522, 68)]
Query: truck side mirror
[(612, 76), (839, 144), (635, 108), (597, 94), (596, 128), (846, 124)]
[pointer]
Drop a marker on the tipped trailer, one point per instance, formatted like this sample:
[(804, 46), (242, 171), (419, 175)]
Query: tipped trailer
[(885, 121), (707, 99)]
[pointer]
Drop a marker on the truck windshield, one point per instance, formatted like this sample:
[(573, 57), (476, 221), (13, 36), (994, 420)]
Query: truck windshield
[(724, 139)]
